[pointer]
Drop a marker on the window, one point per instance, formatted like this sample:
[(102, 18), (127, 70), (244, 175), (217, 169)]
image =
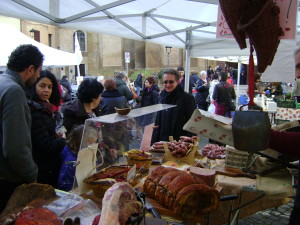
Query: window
[(37, 35), (50, 40), (81, 40)]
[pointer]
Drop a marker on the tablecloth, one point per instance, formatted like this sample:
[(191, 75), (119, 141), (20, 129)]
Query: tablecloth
[(287, 114)]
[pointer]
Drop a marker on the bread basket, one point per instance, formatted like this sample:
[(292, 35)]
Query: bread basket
[(105, 178), (140, 158)]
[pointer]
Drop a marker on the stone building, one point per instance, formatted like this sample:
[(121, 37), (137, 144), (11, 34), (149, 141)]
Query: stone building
[(103, 54)]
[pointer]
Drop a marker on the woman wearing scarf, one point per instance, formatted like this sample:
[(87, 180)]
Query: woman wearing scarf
[(46, 143)]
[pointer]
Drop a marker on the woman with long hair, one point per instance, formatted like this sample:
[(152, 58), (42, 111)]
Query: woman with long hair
[(46, 143)]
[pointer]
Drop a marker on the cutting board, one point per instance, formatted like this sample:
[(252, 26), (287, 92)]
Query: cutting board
[(232, 172)]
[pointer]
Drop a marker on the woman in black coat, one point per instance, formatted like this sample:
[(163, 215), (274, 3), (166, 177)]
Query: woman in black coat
[(202, 88), (112, 98), (85, 106), (46, 143), (150, 93), (149, 97)]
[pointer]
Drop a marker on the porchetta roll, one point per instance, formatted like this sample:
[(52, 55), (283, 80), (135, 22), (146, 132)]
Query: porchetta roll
[(196, 199), (184, 194)]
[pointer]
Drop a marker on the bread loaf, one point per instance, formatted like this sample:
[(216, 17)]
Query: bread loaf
[(184, 194)]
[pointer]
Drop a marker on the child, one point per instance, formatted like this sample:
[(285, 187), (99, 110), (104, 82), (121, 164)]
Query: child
[(68, 158)]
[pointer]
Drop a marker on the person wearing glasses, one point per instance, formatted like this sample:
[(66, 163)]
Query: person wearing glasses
[(170, 122)]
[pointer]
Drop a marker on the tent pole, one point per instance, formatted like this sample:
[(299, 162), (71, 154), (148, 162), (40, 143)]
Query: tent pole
[(187, 61), (238, 82)]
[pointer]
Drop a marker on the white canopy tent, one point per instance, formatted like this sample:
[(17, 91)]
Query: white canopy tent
[(53, 57), (189, 24)]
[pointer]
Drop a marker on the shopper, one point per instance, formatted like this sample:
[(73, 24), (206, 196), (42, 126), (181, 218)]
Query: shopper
[(16, 162), (202, 88), (46, 142), (85, 106), (112, 98), (223, 96), (170, 122)]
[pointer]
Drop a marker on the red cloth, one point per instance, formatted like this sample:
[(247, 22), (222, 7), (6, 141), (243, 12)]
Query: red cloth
[(251, 77), (285, 142)]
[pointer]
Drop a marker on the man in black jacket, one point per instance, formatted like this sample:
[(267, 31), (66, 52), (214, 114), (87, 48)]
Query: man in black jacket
[(170, 122)]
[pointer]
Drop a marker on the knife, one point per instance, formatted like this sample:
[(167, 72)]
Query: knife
[(148, 205)]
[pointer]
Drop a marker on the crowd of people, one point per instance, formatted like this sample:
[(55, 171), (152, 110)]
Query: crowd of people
[(35, 106), (46, 124)]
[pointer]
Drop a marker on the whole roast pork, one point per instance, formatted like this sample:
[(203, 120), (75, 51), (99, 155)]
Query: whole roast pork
[(118, 204), (183, 193)]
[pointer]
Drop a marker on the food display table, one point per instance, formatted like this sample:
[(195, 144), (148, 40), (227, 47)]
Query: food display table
[(253, 195), (287, 114)]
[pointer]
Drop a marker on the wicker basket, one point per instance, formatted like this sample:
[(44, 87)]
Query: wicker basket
[(100, 186), (143, 163), (188, 159), (139, 158), (238, 159)]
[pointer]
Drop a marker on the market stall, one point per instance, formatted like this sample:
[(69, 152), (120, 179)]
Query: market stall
[(229, 192)]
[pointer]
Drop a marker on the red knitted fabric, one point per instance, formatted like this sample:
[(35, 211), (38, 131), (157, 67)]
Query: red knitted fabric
[(285, 142)]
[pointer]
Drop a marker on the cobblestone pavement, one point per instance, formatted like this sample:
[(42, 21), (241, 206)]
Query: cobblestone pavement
[(273, 216)]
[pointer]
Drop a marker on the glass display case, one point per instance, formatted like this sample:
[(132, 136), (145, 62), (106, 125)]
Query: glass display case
[(106, 138)]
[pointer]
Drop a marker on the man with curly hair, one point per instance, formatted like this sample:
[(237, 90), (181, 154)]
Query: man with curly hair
[(16, 163)]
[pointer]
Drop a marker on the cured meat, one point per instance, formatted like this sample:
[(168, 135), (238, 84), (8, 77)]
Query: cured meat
[(26, 193), (207, 175), (181, 192), (118, 204), (214, 151), (38, 216)]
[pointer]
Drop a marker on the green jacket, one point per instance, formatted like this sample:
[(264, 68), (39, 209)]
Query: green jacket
[(123, 89)]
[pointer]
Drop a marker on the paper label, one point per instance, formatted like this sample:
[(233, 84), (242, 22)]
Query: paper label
[(131, 173)]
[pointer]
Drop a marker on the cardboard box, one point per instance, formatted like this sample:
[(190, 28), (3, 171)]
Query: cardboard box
[(210, 125)]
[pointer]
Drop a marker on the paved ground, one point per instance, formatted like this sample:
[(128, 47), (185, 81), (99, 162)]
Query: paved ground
[(273, 216)]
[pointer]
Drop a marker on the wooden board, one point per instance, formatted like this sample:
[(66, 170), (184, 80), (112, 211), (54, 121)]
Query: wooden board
[(166, 212), (232, 172)]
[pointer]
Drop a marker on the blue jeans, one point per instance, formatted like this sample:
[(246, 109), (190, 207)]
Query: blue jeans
[(138, 90)]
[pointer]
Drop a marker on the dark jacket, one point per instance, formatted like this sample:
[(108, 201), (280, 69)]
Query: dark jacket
[(112, 99), (171, 121), (202, 93), (46, 146), (74, 114), (149, 97), (155, 87), (66, 85), (138, 81), (223, 93), (190, 86), (123, 89), (193, 80)]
